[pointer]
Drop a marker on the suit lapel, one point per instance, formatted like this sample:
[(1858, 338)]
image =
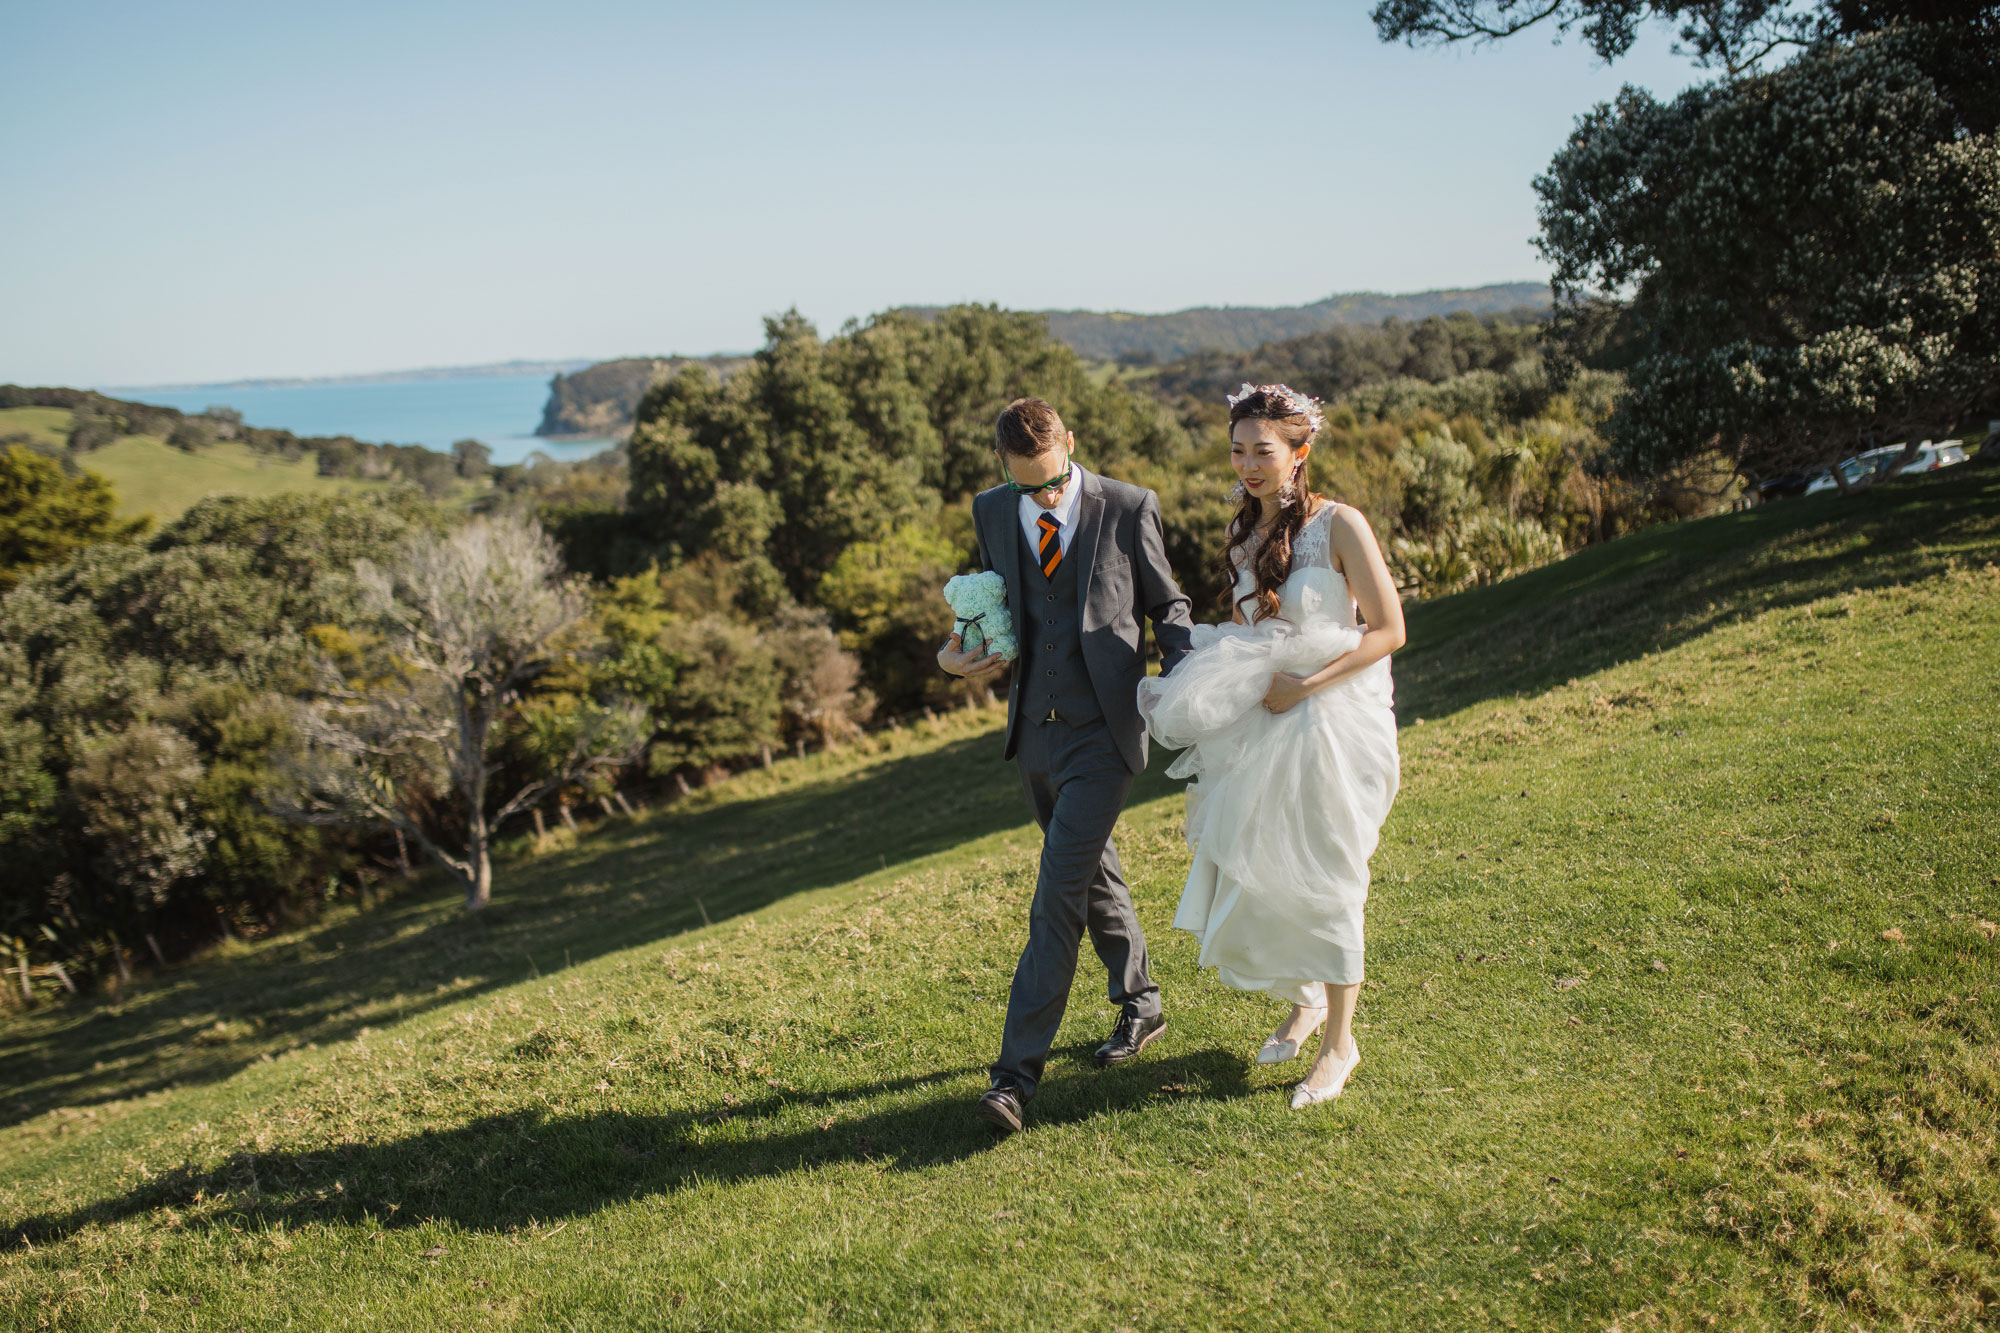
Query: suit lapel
[(1009, 547), (1089, 518)]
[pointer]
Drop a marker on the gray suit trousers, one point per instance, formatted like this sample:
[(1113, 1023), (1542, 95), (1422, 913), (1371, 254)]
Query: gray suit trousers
[(1076, 782)]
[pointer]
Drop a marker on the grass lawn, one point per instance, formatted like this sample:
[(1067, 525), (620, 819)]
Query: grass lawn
[(46, 426), (1682, 1013)]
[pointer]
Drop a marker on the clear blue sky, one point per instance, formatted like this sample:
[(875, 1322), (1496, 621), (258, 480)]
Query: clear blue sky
[(204, 192)]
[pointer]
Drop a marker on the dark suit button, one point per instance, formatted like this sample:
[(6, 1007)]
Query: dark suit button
[(1052, 597), (1052, 624), (1052, 673), (1048, 647)]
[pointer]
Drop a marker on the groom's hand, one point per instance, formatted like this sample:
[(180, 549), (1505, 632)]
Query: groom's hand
[(979, 670)]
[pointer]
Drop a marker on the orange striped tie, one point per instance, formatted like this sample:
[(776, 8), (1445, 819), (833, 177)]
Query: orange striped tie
[(1050, 550)]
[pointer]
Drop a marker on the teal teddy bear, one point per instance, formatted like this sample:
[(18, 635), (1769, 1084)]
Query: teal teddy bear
[(980, 603)]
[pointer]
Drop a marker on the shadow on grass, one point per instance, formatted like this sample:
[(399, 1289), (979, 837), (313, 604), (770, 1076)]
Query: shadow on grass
[(1666, 585), (626, 883), (630, 883), (528, 1167)]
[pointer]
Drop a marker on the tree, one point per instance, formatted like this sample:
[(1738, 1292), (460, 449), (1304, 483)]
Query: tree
[(724, 701), (887, 597), (183, 645), (258, 865), (192, 434), (136, 793), (28, 789), (437, 473), (709, 686), (300, 548), (475, 459), (1809, 259), (46, 516), (1438, 493), (1730, 35), (818, 444), (818, 679), (462, 624)]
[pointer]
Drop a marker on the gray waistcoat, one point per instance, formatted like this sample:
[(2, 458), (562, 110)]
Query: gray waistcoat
[(1055, 674)]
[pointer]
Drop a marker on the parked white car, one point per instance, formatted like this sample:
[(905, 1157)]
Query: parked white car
[(1930, 457), (1858, 469)]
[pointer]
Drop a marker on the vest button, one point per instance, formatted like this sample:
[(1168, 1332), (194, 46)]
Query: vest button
[(1048, 647), (1052, 597), (1052, 673)]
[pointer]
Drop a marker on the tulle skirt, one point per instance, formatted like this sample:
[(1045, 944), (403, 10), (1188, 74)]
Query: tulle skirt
[(1285, 809)]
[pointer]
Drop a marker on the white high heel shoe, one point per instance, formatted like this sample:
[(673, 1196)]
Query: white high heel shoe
[(1306, 1095), (1275, 1052)]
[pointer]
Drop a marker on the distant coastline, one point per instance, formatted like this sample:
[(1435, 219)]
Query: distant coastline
[(583, 405), (434, 410), (490, 370)]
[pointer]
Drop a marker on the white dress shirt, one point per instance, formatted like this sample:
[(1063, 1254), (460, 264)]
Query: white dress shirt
[(1064, 513)]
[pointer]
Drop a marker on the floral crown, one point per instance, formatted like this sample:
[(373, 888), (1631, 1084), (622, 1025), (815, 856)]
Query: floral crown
[(1302, 405)]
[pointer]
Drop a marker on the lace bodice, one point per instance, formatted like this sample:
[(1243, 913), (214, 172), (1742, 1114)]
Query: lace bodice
[(1314, 587)]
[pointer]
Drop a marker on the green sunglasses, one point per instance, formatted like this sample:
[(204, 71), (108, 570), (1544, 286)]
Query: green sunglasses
[(1053, 484)]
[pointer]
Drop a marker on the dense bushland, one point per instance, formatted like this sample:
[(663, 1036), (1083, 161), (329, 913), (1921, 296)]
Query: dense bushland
[(215, 730)]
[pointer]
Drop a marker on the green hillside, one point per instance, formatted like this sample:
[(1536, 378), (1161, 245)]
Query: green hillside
[(46, 427), (1682, 1013), (154, 478), (150, 477), (1115, 335), (602, 398)]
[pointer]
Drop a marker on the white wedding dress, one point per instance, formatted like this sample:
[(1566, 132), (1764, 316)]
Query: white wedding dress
[(1286, 808)]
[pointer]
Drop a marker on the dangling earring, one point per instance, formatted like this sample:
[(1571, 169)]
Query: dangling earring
[(1288, 494), (1236, 493)]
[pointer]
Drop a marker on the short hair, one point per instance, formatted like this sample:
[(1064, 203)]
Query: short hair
[(1028, 428)]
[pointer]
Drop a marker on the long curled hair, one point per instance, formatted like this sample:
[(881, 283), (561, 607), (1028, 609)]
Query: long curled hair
[(1272, 562)]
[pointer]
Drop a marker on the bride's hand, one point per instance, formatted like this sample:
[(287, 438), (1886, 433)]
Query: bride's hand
[(1286, 690)]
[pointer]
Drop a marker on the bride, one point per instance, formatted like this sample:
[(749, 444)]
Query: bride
[(1285, 718)]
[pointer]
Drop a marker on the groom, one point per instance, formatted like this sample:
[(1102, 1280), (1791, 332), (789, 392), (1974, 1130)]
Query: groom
[(1084, 562)]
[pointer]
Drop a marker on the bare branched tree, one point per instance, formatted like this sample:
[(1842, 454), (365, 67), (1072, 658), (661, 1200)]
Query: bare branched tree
[(465, 622), (1730, 35)]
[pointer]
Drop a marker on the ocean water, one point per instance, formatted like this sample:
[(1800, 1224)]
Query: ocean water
[(500, 411)]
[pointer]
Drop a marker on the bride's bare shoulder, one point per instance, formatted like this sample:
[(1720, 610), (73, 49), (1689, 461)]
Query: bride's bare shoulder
[(1331, 512), (1349, 531)]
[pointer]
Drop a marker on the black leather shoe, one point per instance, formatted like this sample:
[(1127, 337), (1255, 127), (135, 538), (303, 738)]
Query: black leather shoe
[(1000, 1107), (1131, 1036)]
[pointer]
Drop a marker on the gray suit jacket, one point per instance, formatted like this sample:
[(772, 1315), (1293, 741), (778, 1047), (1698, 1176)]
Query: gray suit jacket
[(1124, 577)]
